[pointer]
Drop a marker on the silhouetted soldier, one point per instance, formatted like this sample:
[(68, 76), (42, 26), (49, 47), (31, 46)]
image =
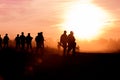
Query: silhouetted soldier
[(63, 42), (6, 40), (17, 40), (0, 42), (29, 41), (40, 41), (71, 43), (22, 40)]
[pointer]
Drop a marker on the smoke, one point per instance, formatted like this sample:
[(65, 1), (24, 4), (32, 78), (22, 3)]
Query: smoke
[(100, 45)]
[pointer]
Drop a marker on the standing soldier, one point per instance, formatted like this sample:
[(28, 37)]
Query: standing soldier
[(40, 42), (6, 41), (29, 41), (71, 43), (17, 40), (63, 42), (22, 40)]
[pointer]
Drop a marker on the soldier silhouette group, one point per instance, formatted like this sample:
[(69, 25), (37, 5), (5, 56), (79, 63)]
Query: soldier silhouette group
[(21, 41), (68, 43)]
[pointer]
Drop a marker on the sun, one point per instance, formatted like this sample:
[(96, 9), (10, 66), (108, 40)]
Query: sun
[(85, 19)]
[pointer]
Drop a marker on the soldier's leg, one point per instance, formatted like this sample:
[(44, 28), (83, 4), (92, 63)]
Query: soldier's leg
[(68, 51), (74, 47)]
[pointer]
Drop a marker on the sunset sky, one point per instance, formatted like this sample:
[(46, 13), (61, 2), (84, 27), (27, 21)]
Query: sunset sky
[(52, 17)]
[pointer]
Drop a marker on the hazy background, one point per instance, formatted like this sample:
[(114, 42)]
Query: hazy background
[(47, 15)]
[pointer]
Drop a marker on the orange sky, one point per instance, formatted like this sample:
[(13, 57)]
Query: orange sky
[(47, 15)]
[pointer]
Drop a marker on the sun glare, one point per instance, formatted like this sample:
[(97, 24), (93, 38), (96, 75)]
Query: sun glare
[(85, 19)]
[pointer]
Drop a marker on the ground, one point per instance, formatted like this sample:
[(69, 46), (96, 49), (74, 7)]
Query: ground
[(31, 65)]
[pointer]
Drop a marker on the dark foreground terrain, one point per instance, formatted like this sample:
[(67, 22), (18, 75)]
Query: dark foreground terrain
[(25, 65)]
